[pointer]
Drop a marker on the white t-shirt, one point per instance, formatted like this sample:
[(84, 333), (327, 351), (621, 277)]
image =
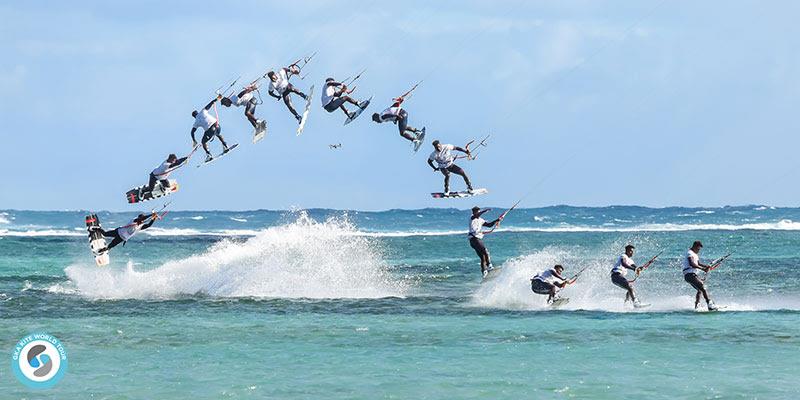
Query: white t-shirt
[(163, 170), (125, 232), (687, 266), (443, 157), (622, 261), (204, 120), (475, 226), (390, 114), (281, 82), (328, 94), (548, 276), (240, 101)]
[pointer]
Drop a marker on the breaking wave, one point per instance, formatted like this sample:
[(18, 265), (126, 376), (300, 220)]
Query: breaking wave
[(782, 225)]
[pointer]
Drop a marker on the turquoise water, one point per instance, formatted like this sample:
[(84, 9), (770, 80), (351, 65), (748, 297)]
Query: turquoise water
[(333, 304)]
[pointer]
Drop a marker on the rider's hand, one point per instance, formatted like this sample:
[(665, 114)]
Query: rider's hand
[(194, 143)]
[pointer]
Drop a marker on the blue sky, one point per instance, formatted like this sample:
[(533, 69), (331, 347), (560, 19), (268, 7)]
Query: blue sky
[(588, 102)]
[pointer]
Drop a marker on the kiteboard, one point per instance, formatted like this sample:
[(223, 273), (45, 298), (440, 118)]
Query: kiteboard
[(96, 240), (218, 156), (706, 310), (476, 192), (361, 107), (143, 193), (260, 131), (304, 117), (420, 140), (559, 302), (493, 273), (641, 305)]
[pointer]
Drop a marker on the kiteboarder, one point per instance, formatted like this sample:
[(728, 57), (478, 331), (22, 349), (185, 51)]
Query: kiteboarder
[(476, 225), (691, 263), (620, 269), (550, 282), (280, 88), (161, 173), (124, 233), (247, 99), (397, 115), (445, 160), (210, 125), (335, 94)]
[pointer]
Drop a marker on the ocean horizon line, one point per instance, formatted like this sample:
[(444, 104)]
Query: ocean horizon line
[(555, 206)]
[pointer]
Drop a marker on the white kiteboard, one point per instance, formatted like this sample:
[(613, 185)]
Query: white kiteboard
[(96, 240), (559, 302), (706, 310), (304, 116), (260, 131), (143, 193), (218, 156), (462, 194), (420, 140), (361, 108), (493, 273)]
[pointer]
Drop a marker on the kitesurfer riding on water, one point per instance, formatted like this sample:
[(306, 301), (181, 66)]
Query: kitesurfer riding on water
[(550, 282), (476, 225), (621, 267), (691, 264)]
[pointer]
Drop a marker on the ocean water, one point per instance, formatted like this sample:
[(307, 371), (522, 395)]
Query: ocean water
[(346, 304)]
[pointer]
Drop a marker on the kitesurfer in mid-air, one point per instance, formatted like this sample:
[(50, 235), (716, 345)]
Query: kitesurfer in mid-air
[(691, 264), (550, 282), (210, 125), (124, 233), (397, 115), (161, 173), (476, 225), (335, 95), (246, 98), (445, 161), (280, 88)]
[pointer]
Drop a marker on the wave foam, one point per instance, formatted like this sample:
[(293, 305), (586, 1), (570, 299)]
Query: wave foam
[(782, 225), (305, 259)]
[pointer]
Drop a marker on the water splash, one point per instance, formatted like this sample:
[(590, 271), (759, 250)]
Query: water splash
[(303, 259), (594, 291)]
